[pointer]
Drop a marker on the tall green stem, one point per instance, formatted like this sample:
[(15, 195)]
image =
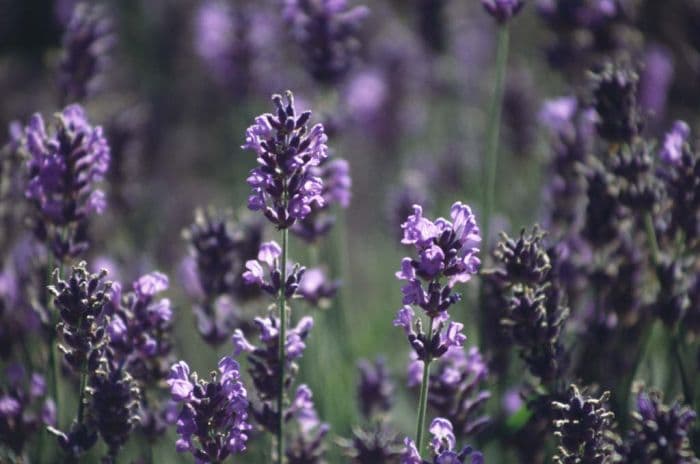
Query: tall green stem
[(281, 304), (493, 131), (423, 398)]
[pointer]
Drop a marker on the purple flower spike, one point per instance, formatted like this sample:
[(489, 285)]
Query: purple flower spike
[(672, 150), (220, 402), (65, 166), (503, 10), (284, 186)]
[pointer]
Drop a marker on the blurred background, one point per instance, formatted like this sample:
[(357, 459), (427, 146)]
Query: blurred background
[(180, 80)]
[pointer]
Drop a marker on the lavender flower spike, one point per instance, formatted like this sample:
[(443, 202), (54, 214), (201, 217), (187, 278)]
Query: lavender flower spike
[(283, 186), (213, 422), (64, 169)]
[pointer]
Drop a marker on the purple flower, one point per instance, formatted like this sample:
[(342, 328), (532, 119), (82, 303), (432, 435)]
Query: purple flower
[(150, 284), (179, 381), (264, 362), (442, 447), (375, 389), (326, 31), (283, 185), (80, 301), (87, 43), (220, 402), (456, 387), (503, 10), (306, 446), (64, 170), (140, 327), (315, 287), (558, 115), (271, 281), (672, 150), (446, 250), (655, 80)]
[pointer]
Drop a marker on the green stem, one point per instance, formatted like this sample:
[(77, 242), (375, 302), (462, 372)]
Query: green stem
[(423, 398), (281, 303), (685, 382), (493, 132), (627, 383)]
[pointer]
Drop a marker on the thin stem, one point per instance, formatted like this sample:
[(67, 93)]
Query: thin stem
[(493, 131), (423, 398), (281, 304), (646, 337), (685, 382)]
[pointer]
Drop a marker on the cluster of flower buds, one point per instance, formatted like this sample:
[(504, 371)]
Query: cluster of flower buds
[(64, 168), (213, 422), (376, 442), (213, 271), (442, 447), (660, 432), (446, 250), (87, 43), (283, 185), (264, 363), (271, 282), (584, 428), (615, 101), (586, 31), (80, 301), (335, 176), (140, 326), (23, 407), (429, 346), (456, 388), (681, 176), (114, 404), (327, 32), (307, 443), (535, 313)]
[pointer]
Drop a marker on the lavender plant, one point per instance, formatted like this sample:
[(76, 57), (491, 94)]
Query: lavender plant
[(284, 188), (87, 43), (65, 167), (327, 33), (447, 255)]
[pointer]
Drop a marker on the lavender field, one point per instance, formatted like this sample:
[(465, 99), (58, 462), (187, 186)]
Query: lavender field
[(349, 231)]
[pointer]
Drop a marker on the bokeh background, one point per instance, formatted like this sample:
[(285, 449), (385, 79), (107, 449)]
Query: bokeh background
[(409, 115)]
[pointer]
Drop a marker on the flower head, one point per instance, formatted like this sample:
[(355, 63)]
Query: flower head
[(64, 169), (283, 185)]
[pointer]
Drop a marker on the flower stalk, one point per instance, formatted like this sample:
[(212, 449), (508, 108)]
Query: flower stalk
[(493, 131), (281, 303), (423, 398)]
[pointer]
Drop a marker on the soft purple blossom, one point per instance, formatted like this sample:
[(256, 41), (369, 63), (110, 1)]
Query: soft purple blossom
[(442, 447), (286, 150), (672, 149), (65, 166), (179, 381), (220, 402)]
